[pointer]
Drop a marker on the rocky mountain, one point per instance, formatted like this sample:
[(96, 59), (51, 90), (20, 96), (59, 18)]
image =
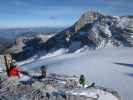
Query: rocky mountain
[(93, 29)]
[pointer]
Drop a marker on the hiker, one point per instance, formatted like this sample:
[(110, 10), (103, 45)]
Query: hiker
[(82, 80), (43, 71), (14, 70)]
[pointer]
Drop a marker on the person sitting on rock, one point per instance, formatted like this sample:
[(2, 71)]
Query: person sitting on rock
[(82, 80), (43, 71)]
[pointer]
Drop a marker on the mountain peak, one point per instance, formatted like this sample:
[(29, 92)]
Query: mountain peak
[(86, 18), (91, 13)]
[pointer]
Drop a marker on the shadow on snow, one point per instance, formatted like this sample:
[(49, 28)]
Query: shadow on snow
[(129, 74), (125, 64)]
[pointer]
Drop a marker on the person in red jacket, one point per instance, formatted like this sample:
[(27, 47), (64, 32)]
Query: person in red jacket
[(14, 70)]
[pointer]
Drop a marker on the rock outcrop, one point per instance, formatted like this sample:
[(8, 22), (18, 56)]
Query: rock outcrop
[(53, 87)]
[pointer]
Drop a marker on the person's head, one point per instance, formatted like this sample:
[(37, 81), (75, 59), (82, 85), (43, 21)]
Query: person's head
[(43, 67), (13, 64), (13, 61), (82, 76)]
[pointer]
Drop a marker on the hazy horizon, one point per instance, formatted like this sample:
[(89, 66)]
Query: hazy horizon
[(28, 27)]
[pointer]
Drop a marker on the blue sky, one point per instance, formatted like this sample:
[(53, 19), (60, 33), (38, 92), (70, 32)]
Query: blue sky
[(56, 13)]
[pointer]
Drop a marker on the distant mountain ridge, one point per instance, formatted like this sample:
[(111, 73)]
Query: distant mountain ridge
[(11, 33), (9, 37)]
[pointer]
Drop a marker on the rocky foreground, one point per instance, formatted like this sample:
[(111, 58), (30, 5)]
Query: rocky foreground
[(53, 87)]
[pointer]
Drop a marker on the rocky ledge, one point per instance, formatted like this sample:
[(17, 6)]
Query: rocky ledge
[(53, 87)]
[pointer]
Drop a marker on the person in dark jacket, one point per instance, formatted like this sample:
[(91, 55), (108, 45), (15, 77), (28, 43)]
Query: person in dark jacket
[(43, 71)]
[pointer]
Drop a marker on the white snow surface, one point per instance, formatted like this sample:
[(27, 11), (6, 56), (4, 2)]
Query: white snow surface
[(1, 70), (24, 78), (110, 67), (93, 93), (56, 53)]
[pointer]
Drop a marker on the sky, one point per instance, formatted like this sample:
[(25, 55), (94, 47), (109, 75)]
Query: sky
[(56, 13)]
